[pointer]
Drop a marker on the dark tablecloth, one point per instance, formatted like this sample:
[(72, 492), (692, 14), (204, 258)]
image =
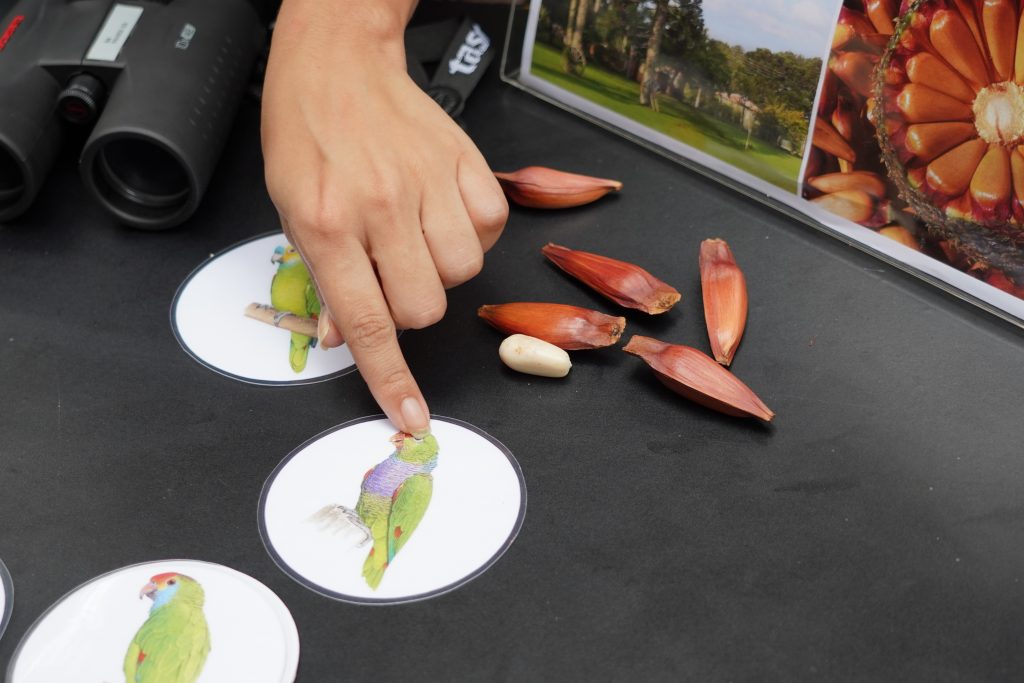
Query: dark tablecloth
[(872, 532)]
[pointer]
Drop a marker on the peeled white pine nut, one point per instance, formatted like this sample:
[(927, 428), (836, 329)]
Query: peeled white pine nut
[(534, 356)]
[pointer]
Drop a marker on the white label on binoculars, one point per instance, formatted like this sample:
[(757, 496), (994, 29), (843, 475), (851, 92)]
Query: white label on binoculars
[(119, 25)]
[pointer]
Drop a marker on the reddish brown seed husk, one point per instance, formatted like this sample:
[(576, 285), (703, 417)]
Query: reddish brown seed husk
[(827, 139), (855, 205), (881, 13), (725, 298), (624, 283), (901, 235), (696, 376), (568, 327), (545, 188), (869, 182)]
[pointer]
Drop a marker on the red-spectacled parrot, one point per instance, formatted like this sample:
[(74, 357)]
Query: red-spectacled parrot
[(172, 645), (392, 501), (292, 291)]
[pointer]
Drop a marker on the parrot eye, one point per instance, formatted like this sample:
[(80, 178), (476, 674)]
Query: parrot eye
[(171, 582)]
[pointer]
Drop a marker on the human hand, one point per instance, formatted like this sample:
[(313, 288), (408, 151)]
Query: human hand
[(386, 198)]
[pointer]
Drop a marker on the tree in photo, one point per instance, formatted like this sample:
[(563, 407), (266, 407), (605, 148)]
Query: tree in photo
[(574, 59), (677, 37), (647, 85)]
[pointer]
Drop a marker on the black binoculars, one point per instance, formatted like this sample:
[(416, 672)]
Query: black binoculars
[(159, 81)]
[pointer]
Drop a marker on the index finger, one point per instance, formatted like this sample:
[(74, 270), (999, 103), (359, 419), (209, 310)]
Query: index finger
[(358, 308)]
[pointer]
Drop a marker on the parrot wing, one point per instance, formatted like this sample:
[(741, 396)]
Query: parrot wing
[(410, 504), (169, 647), (131, 662), (312, 300), (312, 306)]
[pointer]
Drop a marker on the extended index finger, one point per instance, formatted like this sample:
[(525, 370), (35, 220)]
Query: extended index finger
[(358, 308)]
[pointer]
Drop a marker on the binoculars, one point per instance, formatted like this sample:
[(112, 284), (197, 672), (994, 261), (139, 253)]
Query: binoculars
[(159, 82)]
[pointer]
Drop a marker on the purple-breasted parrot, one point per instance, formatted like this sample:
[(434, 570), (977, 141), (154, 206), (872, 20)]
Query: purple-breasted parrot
[(292, 291), (172, 645), (393, 498)]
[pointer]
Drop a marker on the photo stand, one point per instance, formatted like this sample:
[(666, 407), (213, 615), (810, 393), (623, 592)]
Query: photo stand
[(519, 68)]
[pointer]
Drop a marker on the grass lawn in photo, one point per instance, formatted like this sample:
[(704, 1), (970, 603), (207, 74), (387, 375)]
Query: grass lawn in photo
[(725, 141)]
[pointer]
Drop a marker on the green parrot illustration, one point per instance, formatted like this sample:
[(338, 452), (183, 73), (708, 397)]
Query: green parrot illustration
[(292, 292), (393, 498), (172, 645)]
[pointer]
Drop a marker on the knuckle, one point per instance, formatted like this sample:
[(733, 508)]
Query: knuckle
[(425, 315), (382, 194), (490, 216), (383, 202), (370, 330), (319, 231), (394, 381), (461, 271), (315, 220)]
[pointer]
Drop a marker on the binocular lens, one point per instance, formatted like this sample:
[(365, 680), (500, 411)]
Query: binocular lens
[(12, 183), (142, 180), (143, 174)]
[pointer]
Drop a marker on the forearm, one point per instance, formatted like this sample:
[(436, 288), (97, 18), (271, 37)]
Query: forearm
[(346, 33), (386, 198), (362, 23), (269, 8)]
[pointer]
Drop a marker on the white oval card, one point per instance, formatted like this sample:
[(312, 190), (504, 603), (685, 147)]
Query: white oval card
[(243, 312), (361, 514), (184, 620), (6, 598)]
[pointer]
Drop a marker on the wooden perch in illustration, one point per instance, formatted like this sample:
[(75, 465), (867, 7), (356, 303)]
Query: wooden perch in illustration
[(283, 319)]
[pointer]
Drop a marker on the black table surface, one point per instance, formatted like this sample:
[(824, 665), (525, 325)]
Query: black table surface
[(874, 531)]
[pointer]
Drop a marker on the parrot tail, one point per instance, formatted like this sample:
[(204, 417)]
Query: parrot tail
[(338, 519), (298, 351), (375, 564)]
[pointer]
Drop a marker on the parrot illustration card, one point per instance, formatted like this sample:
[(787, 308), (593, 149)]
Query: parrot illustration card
[(172, 621), (251, 312), (6, 595), (363, 514)]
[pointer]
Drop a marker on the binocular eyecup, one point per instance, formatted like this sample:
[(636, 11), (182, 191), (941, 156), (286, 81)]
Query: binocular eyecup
[(143, 181), (27, 150), (12, 180)]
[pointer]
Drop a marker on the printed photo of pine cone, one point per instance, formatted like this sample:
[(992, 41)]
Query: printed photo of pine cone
[(920, 130)]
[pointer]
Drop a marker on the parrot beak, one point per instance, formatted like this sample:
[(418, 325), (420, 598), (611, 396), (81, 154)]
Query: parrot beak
[(398, 439), (149, 590), (276, 258)]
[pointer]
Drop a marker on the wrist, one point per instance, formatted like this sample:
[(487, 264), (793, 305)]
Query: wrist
[(368, 24)]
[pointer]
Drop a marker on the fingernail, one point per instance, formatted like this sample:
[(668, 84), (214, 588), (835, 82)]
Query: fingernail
[(416, 421), (323, 326)]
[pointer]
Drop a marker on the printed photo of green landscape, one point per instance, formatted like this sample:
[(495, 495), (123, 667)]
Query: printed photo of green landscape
[(733, 79)]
